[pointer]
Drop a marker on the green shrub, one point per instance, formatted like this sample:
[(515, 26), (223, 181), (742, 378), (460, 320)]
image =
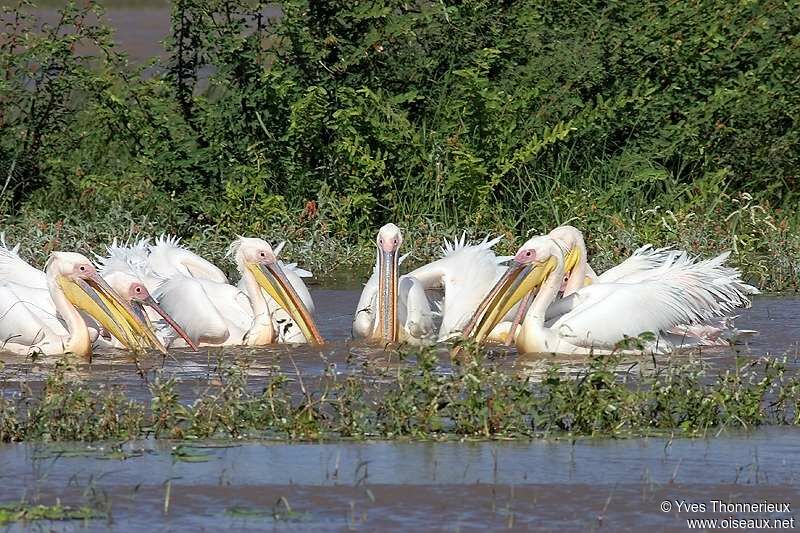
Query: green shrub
[(508, 117)]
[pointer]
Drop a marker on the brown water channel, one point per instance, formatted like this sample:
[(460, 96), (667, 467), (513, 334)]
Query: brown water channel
[(551, 484)]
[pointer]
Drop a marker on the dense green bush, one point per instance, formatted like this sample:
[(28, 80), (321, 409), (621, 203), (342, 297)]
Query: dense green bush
[(510, 116)]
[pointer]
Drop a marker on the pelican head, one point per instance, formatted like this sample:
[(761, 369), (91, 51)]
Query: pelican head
[(83, 287), (531, 266), (388, 242), (134, 292), (257, 256), (572, 239)]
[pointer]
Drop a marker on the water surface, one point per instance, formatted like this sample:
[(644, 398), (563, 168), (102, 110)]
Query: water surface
[(550, 484), (401, 485), (774, 317)]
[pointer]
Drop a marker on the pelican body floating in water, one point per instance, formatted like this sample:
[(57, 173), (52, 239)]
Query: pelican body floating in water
[(646, 263), (31, 289), (599, 317), (270, 304), (30, 323), (431, 303)]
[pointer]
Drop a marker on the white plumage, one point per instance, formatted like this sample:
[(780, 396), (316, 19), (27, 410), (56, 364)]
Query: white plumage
[(37, 295), (210, 312), (596, 318), (464, 274), (28, 316), (649, 264), (415, 316), (434, 301), (45, 319), (27, 327), (15, 269), (196, 293)]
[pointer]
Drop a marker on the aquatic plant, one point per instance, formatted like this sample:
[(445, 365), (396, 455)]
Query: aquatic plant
[(416, 399), (22, 512)]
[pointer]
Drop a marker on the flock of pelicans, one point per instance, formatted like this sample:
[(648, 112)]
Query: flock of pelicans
[(546, 298)]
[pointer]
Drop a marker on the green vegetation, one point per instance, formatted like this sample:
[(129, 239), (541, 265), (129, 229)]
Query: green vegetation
[(669, 123), (415, 399), (280, 512), (21, 512)]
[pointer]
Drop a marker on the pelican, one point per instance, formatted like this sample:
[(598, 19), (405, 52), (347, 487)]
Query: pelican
[(30, 285), (598, 317), (409, 308), (643, 263), (270, 304), (73, 285), (646, 263), (168, 258)]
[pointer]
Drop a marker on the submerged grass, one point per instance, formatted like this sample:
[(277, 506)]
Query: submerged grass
[(281, 512), (415, 400)]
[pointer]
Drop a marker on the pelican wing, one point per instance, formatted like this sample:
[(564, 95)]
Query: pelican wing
[(364, 318), (25, 322), (293, 268), (216, 313), (686, 291), (641, 265), (414, 311), (168, 258), (466, 273), (15, 269)]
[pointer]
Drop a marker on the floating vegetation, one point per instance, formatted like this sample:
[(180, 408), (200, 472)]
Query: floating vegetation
[(186, 454), (280, 512), (23, 512), (415, 400), (102, 453)]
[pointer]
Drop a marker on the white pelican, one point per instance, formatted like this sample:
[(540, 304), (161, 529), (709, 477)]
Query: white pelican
[(393, 308), (30, 286), (643, 263), (646, 263), (214, 313), (285, 327), (73, 285), (598, 317), (397, 308)]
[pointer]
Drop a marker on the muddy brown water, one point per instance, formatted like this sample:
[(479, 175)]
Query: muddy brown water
[(551, 484), (776, 318)]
